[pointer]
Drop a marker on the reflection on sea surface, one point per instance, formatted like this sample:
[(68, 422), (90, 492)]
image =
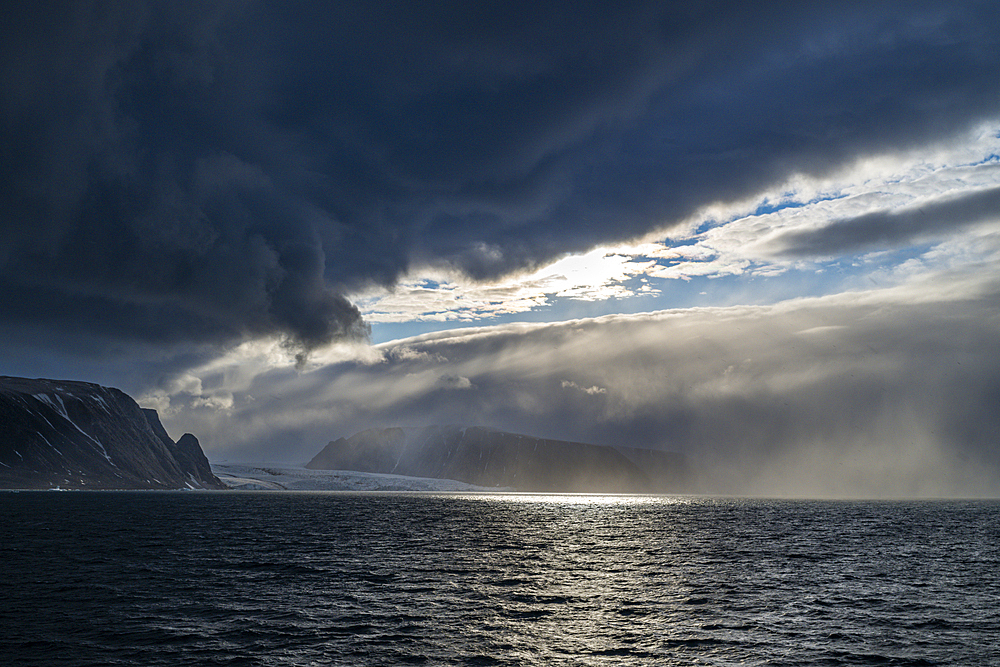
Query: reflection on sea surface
[(376, 579)]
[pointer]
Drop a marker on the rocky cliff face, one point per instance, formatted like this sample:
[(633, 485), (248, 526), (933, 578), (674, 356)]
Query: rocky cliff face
[(487, 457), (77, 435)]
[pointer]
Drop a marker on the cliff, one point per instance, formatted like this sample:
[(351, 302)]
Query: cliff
[(491, 458), (77, 435)]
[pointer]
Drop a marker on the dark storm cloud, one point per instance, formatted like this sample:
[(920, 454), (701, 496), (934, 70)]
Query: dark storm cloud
[(886, 229), (189, 171)]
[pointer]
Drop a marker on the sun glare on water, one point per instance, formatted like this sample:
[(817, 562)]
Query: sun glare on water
[(575, 498)]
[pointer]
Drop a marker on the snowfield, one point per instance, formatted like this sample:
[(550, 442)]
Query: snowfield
[(282, 477)]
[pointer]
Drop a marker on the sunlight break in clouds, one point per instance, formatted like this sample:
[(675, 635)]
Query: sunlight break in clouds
[(740, 239), (447, 296)]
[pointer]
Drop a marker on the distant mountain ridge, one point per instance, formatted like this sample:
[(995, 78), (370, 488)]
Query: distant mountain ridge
[(78, 435), (492, 458)]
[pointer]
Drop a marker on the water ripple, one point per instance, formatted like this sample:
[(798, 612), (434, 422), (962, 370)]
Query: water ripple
[(268, 579)]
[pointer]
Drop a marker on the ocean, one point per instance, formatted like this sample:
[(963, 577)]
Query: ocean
[(334, 578)]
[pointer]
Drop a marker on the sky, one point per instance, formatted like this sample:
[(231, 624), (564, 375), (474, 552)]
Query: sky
[(766, 235)]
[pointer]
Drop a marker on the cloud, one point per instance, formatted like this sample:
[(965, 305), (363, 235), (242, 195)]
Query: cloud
[(882, 392), (568, 384), (222, 401), (455, 382), (888, 229), (950, 185), (448, 296), (203, 173)]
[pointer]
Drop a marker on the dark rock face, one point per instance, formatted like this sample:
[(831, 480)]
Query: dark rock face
[(77, 435), (486, 457)]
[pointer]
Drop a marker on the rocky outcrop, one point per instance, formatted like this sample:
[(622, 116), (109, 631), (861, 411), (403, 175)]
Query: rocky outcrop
[(491, 458), (77, 435)]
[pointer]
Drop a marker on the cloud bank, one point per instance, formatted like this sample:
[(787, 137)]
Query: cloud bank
[(888, 392)]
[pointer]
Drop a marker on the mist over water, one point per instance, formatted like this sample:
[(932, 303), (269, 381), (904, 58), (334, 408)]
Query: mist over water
[(243, 578)]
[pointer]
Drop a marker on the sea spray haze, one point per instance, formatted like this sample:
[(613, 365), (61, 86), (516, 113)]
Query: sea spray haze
[(492, 458), (851, 395)]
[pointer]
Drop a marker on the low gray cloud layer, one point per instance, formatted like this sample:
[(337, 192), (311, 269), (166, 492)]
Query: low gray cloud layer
[(188, 172), (885, 393)]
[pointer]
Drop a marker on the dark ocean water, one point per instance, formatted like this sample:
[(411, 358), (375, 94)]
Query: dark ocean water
[(230, 578)]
